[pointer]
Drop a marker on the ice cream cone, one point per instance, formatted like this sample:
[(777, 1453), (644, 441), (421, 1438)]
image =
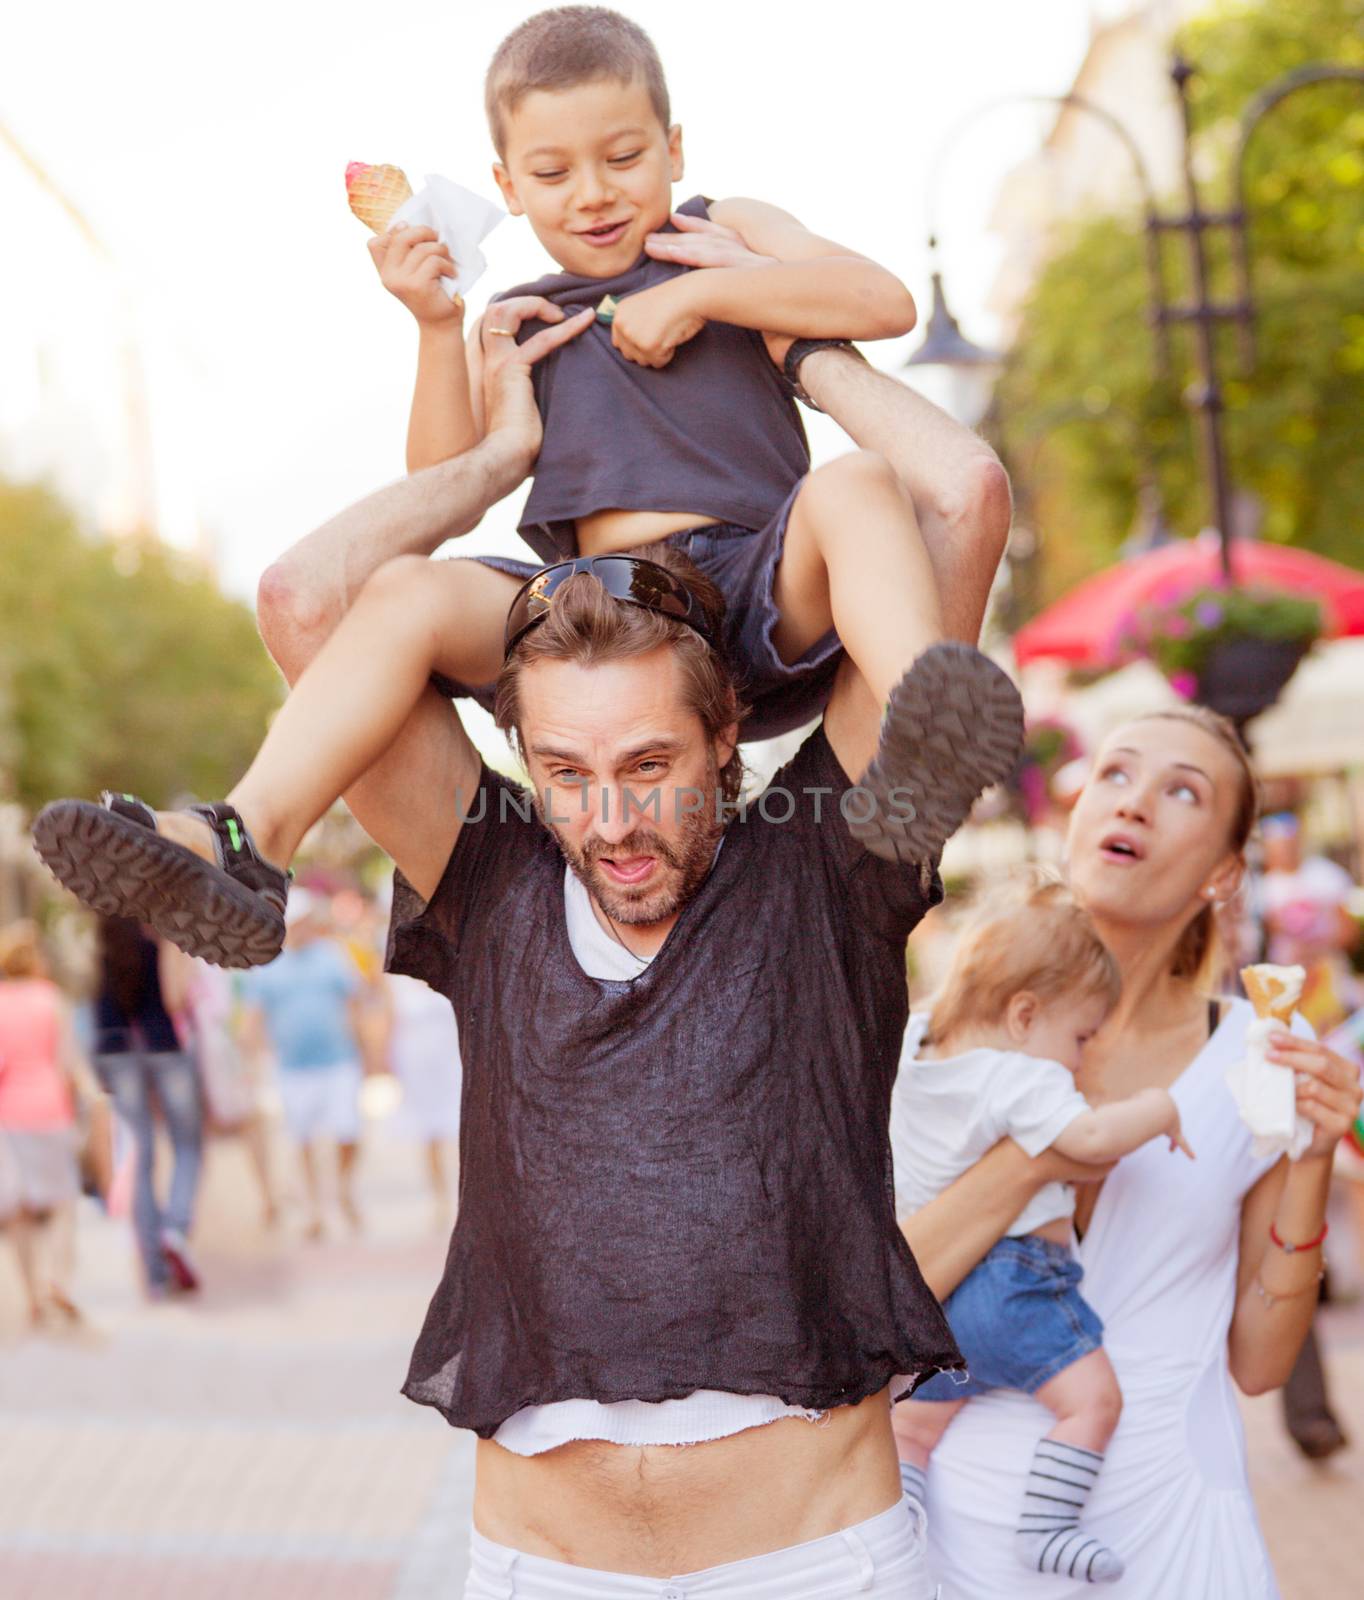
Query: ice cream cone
[(1273, 991), (375, 193)]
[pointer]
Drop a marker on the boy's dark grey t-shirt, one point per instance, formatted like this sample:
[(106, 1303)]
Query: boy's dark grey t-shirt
[(682, 1181), (715, 432)]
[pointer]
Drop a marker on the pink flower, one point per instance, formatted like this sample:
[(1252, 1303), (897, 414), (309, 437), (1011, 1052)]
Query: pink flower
[(1184, 684), (1176, 626)]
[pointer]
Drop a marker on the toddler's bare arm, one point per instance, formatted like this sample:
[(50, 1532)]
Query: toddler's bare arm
[(1116, 1130)]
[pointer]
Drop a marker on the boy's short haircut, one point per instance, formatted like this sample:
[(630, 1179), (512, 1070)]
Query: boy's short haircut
[(1032, 936), (562, 48)]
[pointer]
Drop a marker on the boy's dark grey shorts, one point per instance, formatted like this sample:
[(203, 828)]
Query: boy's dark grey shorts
[(742, 563)]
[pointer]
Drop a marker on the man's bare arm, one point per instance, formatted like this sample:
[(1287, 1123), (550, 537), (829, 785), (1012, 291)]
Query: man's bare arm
[(959, 489), (304, 594), (960, 495), (407, 801)]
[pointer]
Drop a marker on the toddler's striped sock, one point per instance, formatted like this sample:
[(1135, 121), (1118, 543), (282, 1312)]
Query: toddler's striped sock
[(1050, 1538)]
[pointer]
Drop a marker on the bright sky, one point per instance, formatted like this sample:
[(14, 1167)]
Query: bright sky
[(206, 146)]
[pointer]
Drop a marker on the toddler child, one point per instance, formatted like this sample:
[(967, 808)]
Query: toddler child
[(669, 423), (996, 1057)]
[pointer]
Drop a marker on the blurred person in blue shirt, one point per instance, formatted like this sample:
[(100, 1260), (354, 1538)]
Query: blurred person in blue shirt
[(305, 1008)]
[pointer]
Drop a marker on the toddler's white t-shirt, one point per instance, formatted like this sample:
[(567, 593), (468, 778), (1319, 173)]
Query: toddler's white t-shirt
[(945, 1114)]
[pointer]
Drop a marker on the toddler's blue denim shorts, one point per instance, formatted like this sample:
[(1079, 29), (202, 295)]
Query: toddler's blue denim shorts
[(1018, 1319)]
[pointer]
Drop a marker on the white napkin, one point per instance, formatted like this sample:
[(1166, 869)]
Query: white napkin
[(462, 220), (1265, 1095)]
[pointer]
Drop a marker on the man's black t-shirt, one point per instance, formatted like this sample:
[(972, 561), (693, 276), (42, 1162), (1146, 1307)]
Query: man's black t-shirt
[(681, 1181)]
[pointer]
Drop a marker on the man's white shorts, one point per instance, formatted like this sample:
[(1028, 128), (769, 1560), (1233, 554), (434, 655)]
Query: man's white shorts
[(884, 1558), (321, 1102)]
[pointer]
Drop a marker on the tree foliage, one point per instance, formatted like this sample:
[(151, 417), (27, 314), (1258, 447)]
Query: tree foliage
[(1084, 415), (121, 665)]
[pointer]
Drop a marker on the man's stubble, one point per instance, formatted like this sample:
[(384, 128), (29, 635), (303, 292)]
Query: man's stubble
[(686, 858)]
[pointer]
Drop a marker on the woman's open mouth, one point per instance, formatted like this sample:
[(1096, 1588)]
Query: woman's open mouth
[(1121, 849)]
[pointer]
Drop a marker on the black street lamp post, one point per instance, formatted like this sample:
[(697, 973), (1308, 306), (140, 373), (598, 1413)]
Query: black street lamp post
[(944, 344)]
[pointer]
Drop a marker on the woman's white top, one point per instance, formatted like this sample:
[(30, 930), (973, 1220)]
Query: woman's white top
[(1173, 1498), (703, 1414), (946, 1113)]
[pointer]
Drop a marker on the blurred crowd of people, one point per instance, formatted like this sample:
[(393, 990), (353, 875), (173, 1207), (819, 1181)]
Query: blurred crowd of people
[(114, 1087)]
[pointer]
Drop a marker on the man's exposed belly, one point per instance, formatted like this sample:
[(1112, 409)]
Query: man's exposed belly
[(607, 531), (660, 1510)]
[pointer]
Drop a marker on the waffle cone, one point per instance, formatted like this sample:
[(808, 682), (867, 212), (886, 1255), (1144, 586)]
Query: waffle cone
[(1273, 991), (375, 193)]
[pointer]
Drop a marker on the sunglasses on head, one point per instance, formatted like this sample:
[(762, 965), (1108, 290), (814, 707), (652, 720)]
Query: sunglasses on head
[(625, 578)]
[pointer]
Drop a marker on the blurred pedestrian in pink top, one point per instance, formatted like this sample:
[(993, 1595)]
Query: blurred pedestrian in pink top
[(40, 1063)]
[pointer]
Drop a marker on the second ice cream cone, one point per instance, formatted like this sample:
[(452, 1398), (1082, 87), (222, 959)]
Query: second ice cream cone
[(1273, 991)]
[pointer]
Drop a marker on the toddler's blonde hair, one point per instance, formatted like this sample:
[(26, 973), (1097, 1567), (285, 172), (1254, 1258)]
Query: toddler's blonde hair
[(1032, 935)]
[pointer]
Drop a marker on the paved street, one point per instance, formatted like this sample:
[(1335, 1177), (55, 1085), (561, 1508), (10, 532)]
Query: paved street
[(253, 1442), (250, 1442)]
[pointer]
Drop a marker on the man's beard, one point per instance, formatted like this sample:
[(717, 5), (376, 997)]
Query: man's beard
[(686, 860)]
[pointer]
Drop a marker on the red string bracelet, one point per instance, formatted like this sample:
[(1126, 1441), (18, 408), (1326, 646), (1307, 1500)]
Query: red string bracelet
[(1292, 1249)]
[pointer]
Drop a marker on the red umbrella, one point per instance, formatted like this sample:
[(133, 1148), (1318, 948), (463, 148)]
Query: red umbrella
[(1087, 625)]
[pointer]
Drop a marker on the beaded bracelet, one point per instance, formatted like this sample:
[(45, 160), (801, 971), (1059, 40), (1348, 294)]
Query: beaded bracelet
[(1271, 1300), (1292, 1249)]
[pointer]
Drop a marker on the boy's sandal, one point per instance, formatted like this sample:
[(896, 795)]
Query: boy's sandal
[(953, 727), (112, 858)]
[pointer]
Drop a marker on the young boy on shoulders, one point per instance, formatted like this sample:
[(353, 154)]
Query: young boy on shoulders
[(667, 423)]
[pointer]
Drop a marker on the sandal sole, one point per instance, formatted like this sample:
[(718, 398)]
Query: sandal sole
[(954, 726), (121, 869)]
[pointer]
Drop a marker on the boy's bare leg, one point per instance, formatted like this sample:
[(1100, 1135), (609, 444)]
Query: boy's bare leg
[(855, 560), (414, 617), (950, 722), (959, 490), (953, 725)]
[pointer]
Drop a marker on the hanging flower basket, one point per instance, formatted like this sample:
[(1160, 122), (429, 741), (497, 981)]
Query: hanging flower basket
[(1047, 746), (1233, 650), (1243, 677)]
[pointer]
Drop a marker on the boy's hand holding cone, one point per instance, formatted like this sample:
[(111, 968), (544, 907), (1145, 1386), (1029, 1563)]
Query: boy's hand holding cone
[(411, 261)]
